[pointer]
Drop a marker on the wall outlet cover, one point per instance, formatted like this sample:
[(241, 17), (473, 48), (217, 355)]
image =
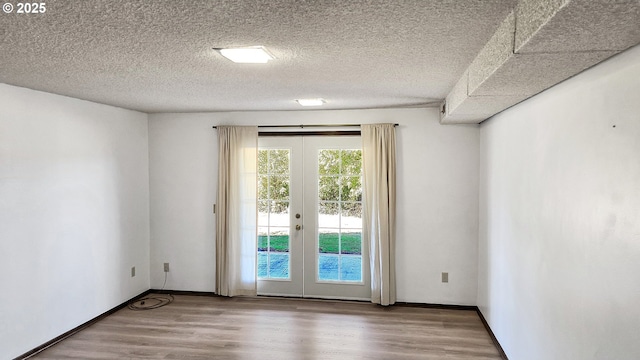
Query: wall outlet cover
[(166, 267), (445, 277), (133, 271)]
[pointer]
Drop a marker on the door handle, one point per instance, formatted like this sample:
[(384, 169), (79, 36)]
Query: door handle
[(298, 227)]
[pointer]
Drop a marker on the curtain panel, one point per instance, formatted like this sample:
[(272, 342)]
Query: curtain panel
[(236, 216), (379, 218)]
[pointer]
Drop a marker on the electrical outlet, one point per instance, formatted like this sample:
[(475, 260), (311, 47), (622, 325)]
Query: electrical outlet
[(166, 267), (445, 277), (133, 271)]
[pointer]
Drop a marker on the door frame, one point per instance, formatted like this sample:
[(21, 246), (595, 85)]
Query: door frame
[(303, 281), (292, 287), (313, 287)]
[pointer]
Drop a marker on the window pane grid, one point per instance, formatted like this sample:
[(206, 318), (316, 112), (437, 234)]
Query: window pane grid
[(340, 215), (273, 209)]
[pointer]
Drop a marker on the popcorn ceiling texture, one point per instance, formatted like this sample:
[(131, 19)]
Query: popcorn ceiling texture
[(156, 56), (495, 53), (475, 107), (549, 41), (532, 16), (459, 93), (525, 74), (584, 25)]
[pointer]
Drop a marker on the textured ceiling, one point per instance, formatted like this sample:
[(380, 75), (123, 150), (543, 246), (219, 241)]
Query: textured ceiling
[(156, 56), (539, 44)]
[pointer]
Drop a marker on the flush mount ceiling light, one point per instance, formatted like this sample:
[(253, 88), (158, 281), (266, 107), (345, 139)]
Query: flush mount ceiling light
[(247, 55), (311, 102)]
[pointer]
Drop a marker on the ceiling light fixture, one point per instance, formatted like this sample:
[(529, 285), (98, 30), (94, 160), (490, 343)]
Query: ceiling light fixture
[(311, 102), (247, 55)]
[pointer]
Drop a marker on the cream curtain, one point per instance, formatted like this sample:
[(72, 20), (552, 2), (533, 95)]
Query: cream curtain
[(236, 216), (379, 218)]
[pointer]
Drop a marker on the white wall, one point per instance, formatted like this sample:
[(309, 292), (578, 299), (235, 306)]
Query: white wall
[(559, 251), (437, 198), (74, 213)]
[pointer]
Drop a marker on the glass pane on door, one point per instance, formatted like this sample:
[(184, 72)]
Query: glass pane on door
[(339, 255), (274, 241)]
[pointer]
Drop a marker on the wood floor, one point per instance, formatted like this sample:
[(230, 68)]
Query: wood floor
[(203, 327)]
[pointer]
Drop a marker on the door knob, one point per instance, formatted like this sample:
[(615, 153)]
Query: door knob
[(298, 227)]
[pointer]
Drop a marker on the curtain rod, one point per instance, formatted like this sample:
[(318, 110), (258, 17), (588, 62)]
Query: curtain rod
[(309, 126)]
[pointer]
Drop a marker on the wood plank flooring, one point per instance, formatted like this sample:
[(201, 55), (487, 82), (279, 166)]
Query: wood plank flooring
[(203, 327)]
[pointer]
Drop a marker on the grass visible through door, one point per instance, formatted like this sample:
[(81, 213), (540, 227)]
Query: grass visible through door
[(273, 256)]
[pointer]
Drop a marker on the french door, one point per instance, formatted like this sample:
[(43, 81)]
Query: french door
[(310, 218)]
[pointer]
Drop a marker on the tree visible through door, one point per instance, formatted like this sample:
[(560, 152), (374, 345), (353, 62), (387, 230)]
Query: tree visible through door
[(340, 215), (310, 218), (274, 260)]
